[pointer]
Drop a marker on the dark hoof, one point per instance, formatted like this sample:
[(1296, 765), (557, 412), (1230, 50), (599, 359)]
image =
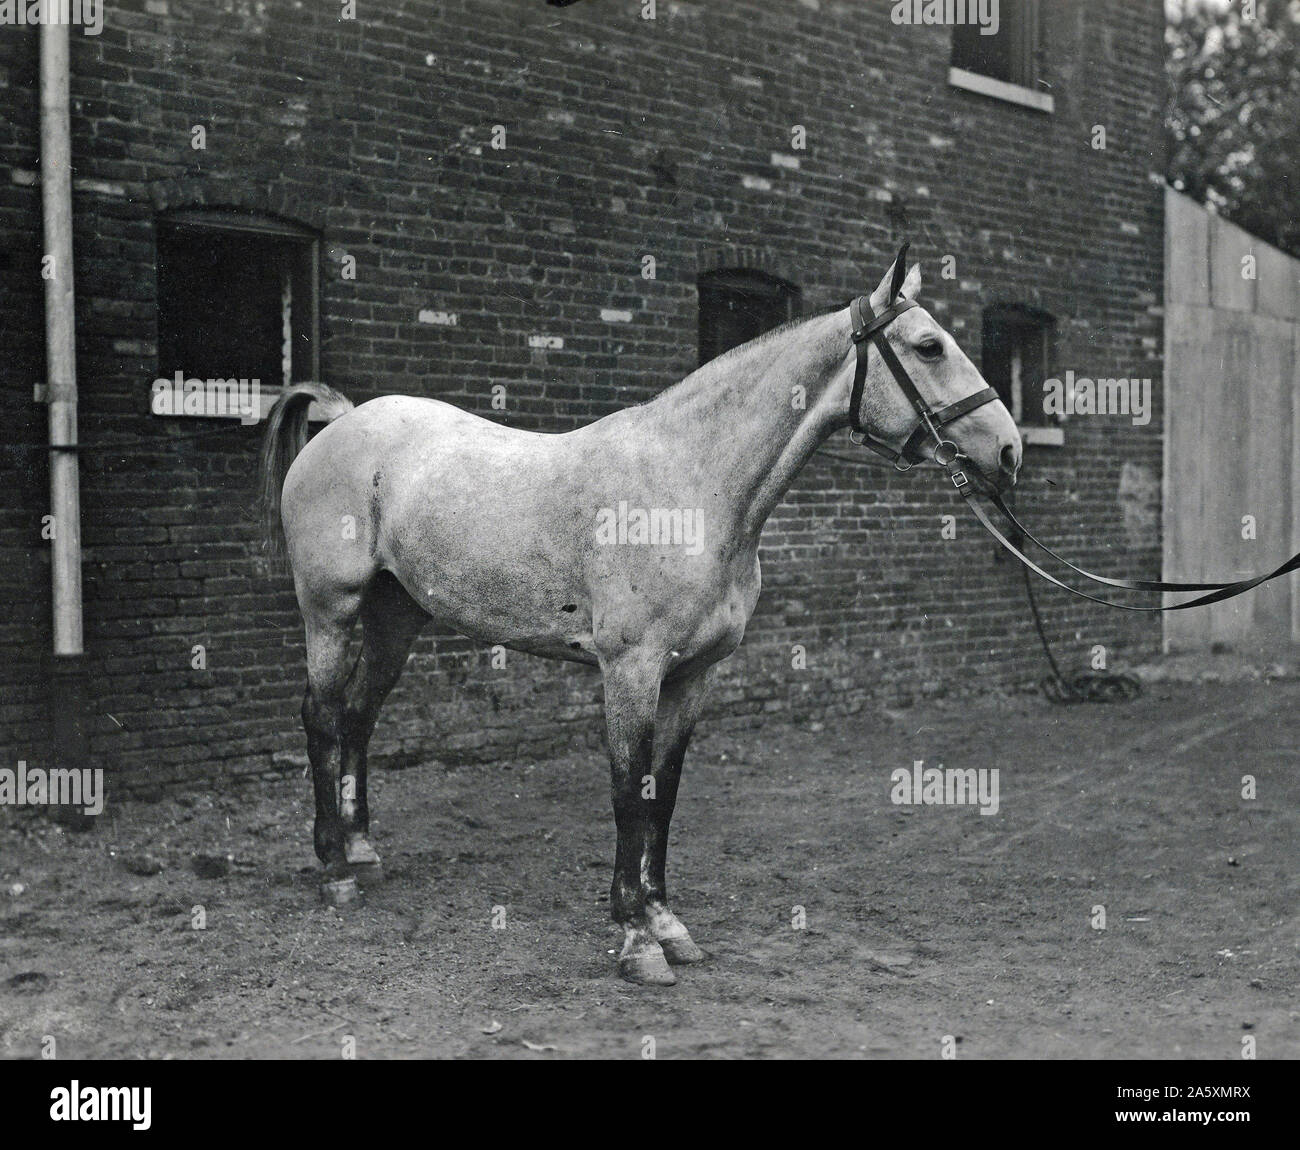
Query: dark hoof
[(368, 873), (339, 891), (650, 969), (681, 951)]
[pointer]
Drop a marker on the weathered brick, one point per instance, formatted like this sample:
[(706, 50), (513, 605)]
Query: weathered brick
[(683, 150)]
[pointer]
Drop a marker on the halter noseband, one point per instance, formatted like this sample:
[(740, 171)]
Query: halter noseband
[(929, 422)]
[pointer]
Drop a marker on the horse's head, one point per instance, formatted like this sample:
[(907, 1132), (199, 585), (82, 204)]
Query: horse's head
[(944, 375)]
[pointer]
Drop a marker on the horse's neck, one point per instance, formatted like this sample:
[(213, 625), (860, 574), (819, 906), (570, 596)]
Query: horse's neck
[(749, 423)]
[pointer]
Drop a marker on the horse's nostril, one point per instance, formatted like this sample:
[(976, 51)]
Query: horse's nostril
[(1010, 459)]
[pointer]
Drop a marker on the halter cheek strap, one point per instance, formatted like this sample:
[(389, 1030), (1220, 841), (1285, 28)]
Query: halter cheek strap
[(868, 332)]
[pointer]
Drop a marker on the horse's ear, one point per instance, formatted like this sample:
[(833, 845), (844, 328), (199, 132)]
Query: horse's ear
[(900, 271), (912, 285), (897, 280)]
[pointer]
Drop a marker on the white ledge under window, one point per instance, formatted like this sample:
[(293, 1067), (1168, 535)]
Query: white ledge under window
[(1042, 436), (1001, 90), (216, 403)]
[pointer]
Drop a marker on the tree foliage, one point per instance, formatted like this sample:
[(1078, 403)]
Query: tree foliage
[(1233, 116)]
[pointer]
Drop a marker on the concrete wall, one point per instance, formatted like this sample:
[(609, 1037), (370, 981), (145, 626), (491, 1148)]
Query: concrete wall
[(1232, 426)]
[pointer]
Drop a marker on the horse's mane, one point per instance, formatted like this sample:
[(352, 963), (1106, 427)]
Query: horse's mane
[(772, 333), (742, 349)]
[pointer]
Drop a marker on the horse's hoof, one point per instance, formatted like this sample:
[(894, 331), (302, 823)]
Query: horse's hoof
[(367, 873), (363, 861), (338, 891), (647, 970), (681, 951), (358, 851)]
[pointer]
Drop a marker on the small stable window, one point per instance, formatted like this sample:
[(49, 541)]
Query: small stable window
[(1003, 64), (1017, 354), (237, 299), (1008, 54), (738, 305)]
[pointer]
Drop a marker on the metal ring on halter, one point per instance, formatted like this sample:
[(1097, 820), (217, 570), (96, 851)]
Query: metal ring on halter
[(855, 441), (903, 465), (946, 453)]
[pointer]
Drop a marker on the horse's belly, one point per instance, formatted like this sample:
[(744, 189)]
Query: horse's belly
[(485, 594), (493, 582)]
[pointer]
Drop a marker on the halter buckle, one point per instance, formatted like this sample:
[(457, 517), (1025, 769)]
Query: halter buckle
[(960, 481)]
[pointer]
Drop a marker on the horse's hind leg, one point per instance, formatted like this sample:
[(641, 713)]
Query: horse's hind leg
[(390, 620), (328, 620)]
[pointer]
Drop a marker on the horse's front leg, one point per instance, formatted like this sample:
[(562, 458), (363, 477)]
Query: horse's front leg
[(632, 685), (680, 703)]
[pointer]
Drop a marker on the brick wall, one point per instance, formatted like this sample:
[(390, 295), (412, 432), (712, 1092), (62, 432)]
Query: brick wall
[(624, 137)]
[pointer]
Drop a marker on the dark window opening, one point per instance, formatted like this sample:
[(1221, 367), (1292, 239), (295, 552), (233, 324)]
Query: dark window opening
[(737, 306), (1011, 54), (237, 299), (1017, 355)]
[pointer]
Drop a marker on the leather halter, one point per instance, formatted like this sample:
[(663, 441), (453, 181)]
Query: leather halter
[(948, 456), (868, 332)]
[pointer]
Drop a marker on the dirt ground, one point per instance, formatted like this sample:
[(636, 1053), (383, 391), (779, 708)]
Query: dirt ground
[(922, 922)]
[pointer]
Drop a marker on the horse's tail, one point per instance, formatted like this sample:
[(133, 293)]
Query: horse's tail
[(285, 437)]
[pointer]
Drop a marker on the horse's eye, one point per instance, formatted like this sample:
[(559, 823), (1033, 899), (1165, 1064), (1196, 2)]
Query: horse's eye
[(929, 349)]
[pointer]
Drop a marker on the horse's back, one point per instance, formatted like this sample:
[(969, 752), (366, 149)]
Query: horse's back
[(397, 434), (439, 496)]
